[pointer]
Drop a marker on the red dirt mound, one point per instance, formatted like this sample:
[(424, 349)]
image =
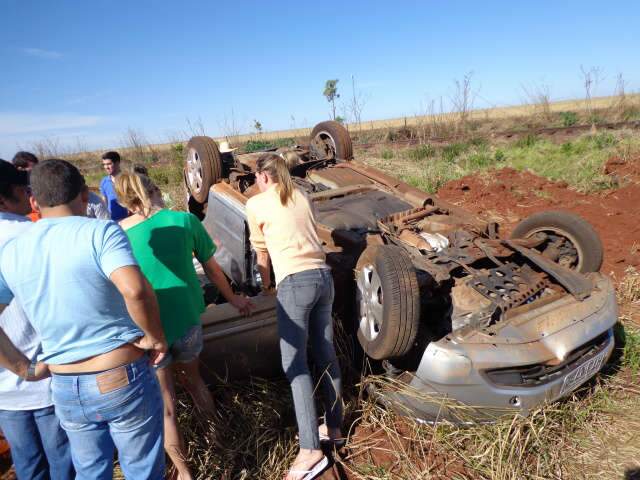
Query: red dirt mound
[(509, 195)]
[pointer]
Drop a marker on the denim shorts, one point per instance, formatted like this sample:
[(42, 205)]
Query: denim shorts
[(185, 349)]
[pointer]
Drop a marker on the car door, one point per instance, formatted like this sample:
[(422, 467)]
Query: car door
[(236, 346)]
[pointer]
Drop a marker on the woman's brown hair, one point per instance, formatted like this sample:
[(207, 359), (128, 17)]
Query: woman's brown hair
[(134, 191), (275, 166)]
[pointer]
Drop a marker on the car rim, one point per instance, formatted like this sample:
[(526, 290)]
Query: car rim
[(370, 300), (325, 144), (570, 255), (194, 170)]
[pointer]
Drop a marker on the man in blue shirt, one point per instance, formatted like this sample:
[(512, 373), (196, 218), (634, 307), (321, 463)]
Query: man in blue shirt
[(111, 165), (39, 446), (84, 294)]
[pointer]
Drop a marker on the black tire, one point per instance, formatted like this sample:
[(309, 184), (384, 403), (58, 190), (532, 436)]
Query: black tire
[(200, 180), (399, 297), (326, 135), (575, 230)]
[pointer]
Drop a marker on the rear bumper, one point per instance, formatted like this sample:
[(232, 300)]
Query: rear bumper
[(483, 377)]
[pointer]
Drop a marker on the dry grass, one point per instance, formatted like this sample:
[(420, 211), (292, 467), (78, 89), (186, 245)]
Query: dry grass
[(593, 434), (629, 287)]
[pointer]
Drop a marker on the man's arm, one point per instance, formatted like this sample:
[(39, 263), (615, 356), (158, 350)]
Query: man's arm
[(142, 306), (216, 275), (14, 360)]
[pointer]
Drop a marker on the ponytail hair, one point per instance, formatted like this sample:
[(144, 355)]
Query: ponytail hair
[(134, 191), (275, 166)]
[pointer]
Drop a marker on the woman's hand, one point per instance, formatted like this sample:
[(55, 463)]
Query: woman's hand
[(243, 304)]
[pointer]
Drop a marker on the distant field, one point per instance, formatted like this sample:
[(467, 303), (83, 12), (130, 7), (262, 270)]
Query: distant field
[(597, 104)]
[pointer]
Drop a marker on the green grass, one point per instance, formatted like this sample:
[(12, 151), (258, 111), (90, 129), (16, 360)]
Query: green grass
[(579, 163), (387, 154), (631, 351), (568, 119), (259, 145), (421, 152)]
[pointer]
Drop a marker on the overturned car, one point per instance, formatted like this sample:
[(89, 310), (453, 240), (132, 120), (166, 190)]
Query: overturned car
[(451, 312)]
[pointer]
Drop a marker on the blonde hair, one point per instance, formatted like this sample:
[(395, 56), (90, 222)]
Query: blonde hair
[(134, 191), (276, 167)]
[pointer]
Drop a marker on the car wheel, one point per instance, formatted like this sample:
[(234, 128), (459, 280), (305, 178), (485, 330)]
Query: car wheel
[(330, 140), (388, 301), (203, 166), (570, 240)]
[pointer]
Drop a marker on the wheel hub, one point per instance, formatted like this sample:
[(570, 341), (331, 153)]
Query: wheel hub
[(194, 170), (370, 300), (324, 146)]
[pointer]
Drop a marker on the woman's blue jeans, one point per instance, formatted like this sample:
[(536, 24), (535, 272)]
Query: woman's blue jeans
[(39, 447), (122, 410), (304, 316)]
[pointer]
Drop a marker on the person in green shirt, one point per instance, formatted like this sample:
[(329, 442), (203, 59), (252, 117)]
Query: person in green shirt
[(164, 243)]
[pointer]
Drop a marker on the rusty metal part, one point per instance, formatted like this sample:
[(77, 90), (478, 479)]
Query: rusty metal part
[(577, 284), (340, 192), (509, 285), (412, 238), (398, 221), (337, 177), (226, 189), (412, 195)]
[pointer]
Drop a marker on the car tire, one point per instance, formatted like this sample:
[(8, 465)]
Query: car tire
[(574, 233), (331, 140), (388, 302), (203, 166)]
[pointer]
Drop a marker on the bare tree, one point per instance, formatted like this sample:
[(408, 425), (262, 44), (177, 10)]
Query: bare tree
[(358, 101), (591, 79), (138, 148), (433, 121), (539, 95), (331, 93), (194, 128), (462, 99), (620, 103), (230, 126), (47, 147)]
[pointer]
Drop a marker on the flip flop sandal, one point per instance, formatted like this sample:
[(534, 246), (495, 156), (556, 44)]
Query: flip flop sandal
[(317, 469), (336, 442)]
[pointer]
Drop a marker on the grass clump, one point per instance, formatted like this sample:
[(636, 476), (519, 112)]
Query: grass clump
[(568, 119), (578, 163), (387, 154), (452, 151), (421, 152), (528, 141), (260, 145)]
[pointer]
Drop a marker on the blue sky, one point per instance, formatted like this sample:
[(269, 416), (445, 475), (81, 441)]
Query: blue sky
[(81, 73)]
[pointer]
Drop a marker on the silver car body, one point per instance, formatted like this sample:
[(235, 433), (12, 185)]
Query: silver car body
[(539, 352)]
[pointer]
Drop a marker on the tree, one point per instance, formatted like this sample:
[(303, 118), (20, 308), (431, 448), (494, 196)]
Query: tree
[(331, 93), (258, 126)]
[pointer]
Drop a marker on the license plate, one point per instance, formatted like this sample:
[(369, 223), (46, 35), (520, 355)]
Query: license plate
[(583, 373)]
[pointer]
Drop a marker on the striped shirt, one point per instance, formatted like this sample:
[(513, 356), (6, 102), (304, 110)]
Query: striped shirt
[(16, 393)]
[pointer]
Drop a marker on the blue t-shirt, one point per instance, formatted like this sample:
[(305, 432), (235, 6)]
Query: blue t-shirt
[(108, 190), (59, 271)]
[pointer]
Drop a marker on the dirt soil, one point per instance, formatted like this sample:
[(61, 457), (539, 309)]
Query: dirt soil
[(508, 196)]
